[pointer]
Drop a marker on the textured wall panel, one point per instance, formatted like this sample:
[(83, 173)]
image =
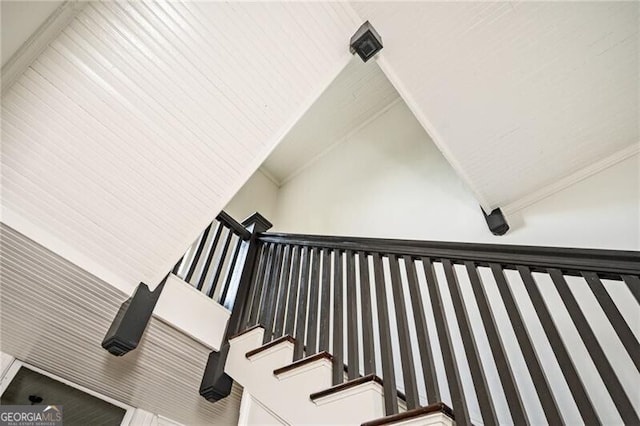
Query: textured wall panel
[(516, 94), (54, 315), (141, 120)]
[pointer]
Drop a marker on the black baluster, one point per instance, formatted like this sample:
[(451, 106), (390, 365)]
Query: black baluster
[(272, 291), (303, 288), (608, 375), (424, 342), (312, 319), (282, 294), (448, 355), (209, 259), (293, 292), (353, 371), (338, 330), (261, 288), (388, 374), (368, 349), (633, 283), (470, 348), (198, 253), (507, 379), (568, 368), (254, 287), (325, 302), (219, 266), (230, 270), (614, 316), (406, 357)]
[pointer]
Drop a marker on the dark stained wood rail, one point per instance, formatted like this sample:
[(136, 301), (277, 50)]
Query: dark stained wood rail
[(571, 261), (353, 297)]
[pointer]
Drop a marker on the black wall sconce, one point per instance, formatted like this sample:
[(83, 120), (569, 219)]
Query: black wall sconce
[(366, 42)]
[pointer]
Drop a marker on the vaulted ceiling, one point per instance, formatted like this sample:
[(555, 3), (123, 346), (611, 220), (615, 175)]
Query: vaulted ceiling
[(517, 95), (141, 120)]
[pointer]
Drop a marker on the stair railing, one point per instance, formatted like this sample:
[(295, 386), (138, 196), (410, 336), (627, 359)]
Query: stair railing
[(425, 315), (209, 264)]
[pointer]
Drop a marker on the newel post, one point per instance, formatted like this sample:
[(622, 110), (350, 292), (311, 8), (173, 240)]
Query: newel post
[(216, 384)]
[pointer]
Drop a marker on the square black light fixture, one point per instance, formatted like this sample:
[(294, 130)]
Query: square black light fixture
[(366, 42), (496, 222)]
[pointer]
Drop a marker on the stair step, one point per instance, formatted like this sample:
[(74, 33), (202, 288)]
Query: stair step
[(284, 339), (437, 408), (247, 331), (402, 398), (304, 362), (346, 386)]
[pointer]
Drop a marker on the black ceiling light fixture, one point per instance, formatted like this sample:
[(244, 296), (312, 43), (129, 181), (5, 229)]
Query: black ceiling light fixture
[(496, 222), (366, 42)]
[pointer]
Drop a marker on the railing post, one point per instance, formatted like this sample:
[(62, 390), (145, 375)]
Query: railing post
[(216, 384)]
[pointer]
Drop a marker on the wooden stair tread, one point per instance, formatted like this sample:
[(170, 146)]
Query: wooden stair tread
[(248, 330), (438, 407), (286, 338), (346, 385), (304, 361), (399, 393)]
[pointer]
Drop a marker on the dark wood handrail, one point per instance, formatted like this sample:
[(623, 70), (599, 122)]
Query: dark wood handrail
[(234, 225), (571, 261)]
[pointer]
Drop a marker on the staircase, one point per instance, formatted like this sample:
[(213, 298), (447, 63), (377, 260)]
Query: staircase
[(342, 330), (300, 392)]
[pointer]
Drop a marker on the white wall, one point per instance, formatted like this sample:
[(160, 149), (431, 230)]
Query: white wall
[(389, 180), (253, 412), (259, 194)]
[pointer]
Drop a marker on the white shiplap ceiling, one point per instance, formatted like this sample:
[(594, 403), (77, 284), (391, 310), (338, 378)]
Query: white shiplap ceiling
[(516, 94), (139, 122), (54, 315), (358, 94)]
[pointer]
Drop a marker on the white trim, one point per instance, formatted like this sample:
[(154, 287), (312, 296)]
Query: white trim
[(9, 374), (245, 408), (318, 364), (346, 393), (572, 179), (280, 347), (266, 173), (38, 41), (16, 365), (5, 362)]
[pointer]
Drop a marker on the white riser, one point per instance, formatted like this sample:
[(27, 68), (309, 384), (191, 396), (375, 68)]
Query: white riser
[(287, 395), (436, 419), (353, 406)]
